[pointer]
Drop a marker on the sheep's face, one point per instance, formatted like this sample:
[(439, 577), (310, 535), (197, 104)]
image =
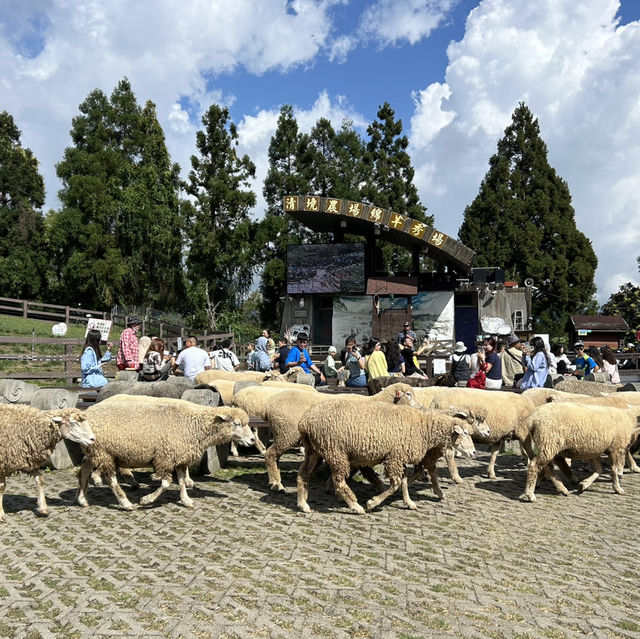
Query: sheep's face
[(461, 440), (480, 427), (240, 431), (406, 398), (74, 426)]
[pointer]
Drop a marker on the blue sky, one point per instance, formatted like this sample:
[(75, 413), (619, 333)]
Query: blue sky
[(453, 70)]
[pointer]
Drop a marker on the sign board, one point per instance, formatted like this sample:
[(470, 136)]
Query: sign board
[(102, 325), (439, 366), (583, 331), (545, 339)]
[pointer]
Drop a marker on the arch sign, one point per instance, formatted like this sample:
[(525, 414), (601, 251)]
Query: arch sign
[(335, 215)]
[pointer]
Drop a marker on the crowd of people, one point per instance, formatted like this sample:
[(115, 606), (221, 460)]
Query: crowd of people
[(493, 365)]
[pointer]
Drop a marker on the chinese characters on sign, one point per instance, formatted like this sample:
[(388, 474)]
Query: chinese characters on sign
[(437, 238), (375, 214), (397, 221), (355, 208), (102, 325), (290, 203), (311, 204), (417, 229), (333, 205)]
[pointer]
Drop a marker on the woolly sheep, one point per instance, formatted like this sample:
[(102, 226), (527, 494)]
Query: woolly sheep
[(207, 377), (506, 419), (363, 434), (559, 429), (28, 437), (169, 434), (284, 411), (151, 389), (581, 387)]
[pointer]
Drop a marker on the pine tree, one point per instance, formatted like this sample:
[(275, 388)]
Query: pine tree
[(23, 256), (390, 180), (522, 220), (117, 237), (221, 259)]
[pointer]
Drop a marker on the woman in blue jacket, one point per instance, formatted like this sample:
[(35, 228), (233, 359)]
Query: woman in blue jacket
[(536, 365), (92, 360)]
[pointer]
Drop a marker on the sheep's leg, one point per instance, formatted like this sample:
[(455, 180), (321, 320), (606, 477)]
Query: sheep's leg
[(184, 498), (633, 467), (566, 470), (394, 470), (165, 482), (188, 482), (118, 492), (272, 457), (41, 508), (536, 465), (449, 455), (311, 461), (83, 482), (128, 473), (96, 479), (495, 449), (406, 482), (233, 449), (258, 442), (343, 490), (372, 477), (3, 485), (549, 473), (597, 471), (430, 463), (617, 466)]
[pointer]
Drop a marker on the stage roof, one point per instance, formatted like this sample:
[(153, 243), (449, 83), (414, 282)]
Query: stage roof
[(334, 215)]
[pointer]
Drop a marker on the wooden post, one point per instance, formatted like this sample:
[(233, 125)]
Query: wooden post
[(24, 310), (160, 330), (68, 364), (66, 315)]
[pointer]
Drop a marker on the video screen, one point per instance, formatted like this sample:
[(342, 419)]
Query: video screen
[(325, 268)]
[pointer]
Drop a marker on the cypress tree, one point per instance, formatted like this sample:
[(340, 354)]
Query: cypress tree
[(522, 220), (23, 255)]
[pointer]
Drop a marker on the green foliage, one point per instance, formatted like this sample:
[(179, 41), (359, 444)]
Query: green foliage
[(522, 220), (118, 236), (23, 252), (220, 260), (625, 303)]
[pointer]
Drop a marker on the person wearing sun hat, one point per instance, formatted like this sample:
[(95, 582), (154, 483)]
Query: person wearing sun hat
[(512, 368), (128, 357), (460, 364)]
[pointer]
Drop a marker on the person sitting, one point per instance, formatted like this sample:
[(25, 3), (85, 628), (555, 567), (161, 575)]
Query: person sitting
[(583, 363), (92, 359), (395, 361), (375, 361), (460, 364), (155, 364), (224, 359), (349, 343), (261, 359), (610, 364), (536, 365), (271, 345), (354, 365), (329, 366), (128, 356), (512, 367), (192, 360), (143, 347), (406, 332), (251, 353), (299, 356), (282, 353), (493, 364), (411, 366), (559, 363)]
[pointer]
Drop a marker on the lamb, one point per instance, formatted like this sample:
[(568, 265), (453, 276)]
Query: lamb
[(558, 429), (284, 411), (28, 437), (169, 434), (506, 419), (363, 434)]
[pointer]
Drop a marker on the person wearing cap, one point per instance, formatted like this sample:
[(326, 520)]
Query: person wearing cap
[(299, 356), (583, 363), (406, 332), (460, 364), (329, 366), (512, 367), (128, 355)]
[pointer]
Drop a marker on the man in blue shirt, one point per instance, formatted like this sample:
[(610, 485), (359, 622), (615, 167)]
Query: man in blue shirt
[(407, 332), (584, 363), (299, 356)]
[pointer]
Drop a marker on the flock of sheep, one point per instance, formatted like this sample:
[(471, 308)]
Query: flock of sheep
[(400, 427)]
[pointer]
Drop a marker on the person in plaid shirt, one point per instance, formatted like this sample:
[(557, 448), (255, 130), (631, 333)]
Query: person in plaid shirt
[(128, 352)]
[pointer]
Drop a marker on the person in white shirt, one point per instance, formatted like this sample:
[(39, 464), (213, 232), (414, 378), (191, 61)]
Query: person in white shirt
[(224, 359), (192, 360)]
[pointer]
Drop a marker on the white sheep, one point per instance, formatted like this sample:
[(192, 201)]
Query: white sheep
[(559, 429), (28, 437), (169, 434), (284, 411), (363, 434), (506, 418)]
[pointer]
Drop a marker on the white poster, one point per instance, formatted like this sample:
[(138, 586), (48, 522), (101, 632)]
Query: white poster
[(351, 316), (433, 313), (102, 325)]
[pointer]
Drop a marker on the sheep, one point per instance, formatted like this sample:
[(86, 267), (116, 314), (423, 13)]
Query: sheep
[(27, 439), (169, 434), (210, 376), (581, 387), (284, 411), (152, 389), (506, 419), (363, 434), (376, 384), (558, 429)]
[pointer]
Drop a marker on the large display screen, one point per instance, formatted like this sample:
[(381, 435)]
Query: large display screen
[(325, 268)]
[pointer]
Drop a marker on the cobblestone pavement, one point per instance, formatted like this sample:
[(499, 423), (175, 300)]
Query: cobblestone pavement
[(246, 563)]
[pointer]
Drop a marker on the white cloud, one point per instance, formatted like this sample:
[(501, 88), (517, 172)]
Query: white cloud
[(576, 69), (390, 21)]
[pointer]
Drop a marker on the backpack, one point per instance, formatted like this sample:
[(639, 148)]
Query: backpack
[(460, 368)]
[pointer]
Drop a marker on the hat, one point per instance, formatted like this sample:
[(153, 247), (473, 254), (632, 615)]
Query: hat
[(133, 319), (578, 345), (459, 347), (407, 323), (512, 339), (332, 349)]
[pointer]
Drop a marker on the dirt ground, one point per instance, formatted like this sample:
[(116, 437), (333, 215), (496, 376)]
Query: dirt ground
[(245, 563)]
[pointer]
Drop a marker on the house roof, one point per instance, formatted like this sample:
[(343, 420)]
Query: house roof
[(392, 286), (611, 323)]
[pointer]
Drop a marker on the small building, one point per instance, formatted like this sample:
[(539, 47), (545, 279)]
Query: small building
[(598, 330)]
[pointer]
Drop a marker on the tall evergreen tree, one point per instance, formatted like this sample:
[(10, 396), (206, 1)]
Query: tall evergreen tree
[(351, 171), (117, 237), (390, 179), (23, 257), (277, 229), (221, 259), (522, 220)]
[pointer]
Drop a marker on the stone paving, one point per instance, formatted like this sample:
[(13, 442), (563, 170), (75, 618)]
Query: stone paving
[(245, 563)]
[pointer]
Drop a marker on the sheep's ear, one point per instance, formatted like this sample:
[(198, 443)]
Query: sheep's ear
[(56, 420), (224, 417), (458, 429), (456, 412)]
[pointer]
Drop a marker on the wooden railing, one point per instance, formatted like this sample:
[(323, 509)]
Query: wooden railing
[(40, 310)]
